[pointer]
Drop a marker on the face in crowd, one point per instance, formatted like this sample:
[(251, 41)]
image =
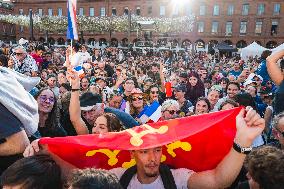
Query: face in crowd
[(148, 161), (115, 101), (213, 97), (20, 54), (46, 100), (154, 94), (128, 85), (170, 113), (61, 78), (278, 130), (100, 125), (137, 100), (51, 82), (93, 114), (232, 90), (85, 83), (201, 107), (193, 81)]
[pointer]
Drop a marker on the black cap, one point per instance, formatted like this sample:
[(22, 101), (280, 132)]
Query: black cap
[(181, 87), (89, 100), (183, 75)]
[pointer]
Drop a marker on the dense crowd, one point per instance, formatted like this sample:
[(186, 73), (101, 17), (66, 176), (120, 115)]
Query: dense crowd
[(76, 90)]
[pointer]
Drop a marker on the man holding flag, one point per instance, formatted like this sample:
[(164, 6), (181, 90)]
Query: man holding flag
[(150, 173)]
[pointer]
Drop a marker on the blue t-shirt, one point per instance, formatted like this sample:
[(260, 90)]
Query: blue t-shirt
[(262, 71), (235, 73)]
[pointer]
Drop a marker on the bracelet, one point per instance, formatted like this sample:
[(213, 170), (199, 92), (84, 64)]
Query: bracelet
[(240, 149), (74, 90)]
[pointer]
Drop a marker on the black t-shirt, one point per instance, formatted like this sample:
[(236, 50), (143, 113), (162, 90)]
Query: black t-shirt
[(9, 125), (278, 103)]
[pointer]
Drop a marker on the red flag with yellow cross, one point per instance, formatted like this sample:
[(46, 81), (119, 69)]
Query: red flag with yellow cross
[(196, 142)]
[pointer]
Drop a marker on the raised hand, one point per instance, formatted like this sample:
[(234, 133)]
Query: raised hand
[(73, 77), (249, 126)]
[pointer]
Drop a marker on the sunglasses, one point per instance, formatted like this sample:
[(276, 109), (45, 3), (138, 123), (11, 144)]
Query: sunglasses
[(172, 112), (154, 92), (44, 99), (18, 54), (137, 98)]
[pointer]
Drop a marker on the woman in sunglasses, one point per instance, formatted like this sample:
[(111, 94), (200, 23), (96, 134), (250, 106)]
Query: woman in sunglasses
[(170, 109), (137, 102), (154, 94), (49, 124)]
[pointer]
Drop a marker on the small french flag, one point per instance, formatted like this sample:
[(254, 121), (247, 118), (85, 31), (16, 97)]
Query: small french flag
[(152, 112), (72, 32), (168, 89)]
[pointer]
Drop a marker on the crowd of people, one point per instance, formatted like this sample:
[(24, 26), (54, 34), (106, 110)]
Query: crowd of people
[(75, 90)]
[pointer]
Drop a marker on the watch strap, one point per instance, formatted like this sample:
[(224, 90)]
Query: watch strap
[(74, 90), (242, 150)]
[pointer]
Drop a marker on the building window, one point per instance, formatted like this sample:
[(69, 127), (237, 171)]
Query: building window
[(245, 10), (50, 12), (59, 11), (138, 11), (229, 28), (81, 11), (39, 12), (113, 11), (230, 10), (258, 27), (214, 28), (150, 10), (175, 10), (21, 11), (103, 11), (92, 11), (162, 10), (260, 9), (202, 10), (216, 10), (274, 27), (188, 10), (200, 27), (243, 27), (277, 8), (126, 11)]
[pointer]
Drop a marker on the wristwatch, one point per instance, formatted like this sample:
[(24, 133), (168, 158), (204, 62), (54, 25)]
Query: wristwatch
[(240, 149)]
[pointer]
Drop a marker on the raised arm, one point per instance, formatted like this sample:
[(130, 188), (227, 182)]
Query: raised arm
[(74, 107), (273, 69), (226, 172), (162, 76)]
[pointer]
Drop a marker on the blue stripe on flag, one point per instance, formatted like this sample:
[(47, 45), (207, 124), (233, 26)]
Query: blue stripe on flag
[(152, 108)]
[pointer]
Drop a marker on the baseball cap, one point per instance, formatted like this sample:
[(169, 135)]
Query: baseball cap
[(89, 100)]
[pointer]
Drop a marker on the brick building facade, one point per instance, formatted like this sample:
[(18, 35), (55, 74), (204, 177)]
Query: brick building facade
[(236, 22)]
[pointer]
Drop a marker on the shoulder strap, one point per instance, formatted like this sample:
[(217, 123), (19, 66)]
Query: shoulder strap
[(167, 177), (165, 172), (127, 176)]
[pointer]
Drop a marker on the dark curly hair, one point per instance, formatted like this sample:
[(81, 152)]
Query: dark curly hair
[(266, 167)]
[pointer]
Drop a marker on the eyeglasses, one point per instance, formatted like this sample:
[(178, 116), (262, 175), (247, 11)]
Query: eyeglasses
[(137, 98), (44, 99), (172, 112), (154, 92)]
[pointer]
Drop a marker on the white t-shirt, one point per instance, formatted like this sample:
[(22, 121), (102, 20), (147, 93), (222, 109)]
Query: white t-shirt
[(181, 177)]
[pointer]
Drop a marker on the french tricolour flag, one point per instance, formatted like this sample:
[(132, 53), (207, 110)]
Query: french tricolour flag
[(72, 32), (152, 112)]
